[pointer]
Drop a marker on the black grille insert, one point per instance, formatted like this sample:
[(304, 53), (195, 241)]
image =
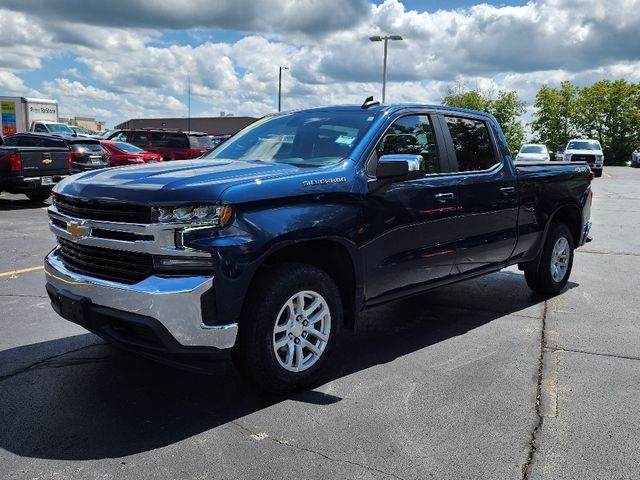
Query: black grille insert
[(105, 211), (106, 263), (583, 158)]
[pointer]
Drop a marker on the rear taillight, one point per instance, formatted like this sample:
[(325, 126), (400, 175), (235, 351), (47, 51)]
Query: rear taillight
[(15, 162), (70, 160), (592, 175)]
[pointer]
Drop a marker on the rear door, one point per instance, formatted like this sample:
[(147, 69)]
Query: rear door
[(41, 155), (411, 223), (487, 193), (171, 145)]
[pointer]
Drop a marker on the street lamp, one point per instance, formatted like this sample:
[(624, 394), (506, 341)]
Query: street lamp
[(378, 38), (280, 87)]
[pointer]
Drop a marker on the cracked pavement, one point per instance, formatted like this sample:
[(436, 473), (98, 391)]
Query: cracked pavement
[(477, 380)]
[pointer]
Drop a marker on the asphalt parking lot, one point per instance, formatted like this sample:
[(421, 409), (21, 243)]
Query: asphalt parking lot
[(483, 379)]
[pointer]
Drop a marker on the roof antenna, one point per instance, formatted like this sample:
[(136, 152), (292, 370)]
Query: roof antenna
[(369, 102)]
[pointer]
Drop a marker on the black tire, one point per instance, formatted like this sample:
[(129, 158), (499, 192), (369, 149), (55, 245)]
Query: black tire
[(542, 281), (254, 353), (598, 172), (38, 195)]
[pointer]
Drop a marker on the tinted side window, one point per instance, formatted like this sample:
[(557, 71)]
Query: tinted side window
[(11, 141), (170, 140), (50, 142), (40, 128), (30, 141), (139, 139), (411, 135), (472, 143), (120, 137)]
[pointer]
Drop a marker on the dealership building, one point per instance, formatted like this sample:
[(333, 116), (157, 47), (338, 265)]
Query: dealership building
[(212, 125)]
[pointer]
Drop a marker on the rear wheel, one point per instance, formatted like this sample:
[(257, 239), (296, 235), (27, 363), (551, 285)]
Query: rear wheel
[(38, 195), (290, 328), (555, 263), (598, 172)]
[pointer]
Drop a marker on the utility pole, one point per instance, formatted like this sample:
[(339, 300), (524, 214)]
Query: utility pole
[(385, 39), (280, 87)]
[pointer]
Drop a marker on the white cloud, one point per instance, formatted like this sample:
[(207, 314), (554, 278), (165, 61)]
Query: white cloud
[(124, 67)]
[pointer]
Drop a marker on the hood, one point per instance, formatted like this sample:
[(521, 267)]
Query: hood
[(532, 156), (180, 181)]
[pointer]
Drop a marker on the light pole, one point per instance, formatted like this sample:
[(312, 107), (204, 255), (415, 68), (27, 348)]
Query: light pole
[(378, 38), (280, 87)]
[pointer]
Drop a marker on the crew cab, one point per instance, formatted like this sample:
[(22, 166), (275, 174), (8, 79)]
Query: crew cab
[(585, 150), (269, 246), (32, 167)]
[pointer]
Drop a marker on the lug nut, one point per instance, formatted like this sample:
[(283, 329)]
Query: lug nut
[(305, 323), (299, 317), (304, 334), (291, 335), (297, 340)]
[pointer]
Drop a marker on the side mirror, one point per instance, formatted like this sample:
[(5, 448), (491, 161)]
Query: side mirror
[(398, 166)]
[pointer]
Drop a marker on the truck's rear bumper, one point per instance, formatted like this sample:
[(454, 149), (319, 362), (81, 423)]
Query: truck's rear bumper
[(158, 314)]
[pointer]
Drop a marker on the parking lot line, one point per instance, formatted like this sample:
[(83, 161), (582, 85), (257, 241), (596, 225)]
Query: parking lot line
[(606, 174), (22, 270)]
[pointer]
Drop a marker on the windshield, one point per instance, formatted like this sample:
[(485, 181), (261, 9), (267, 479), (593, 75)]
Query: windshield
[(59, 128), (533, 149), (127, 147), (584, 145), (306, 139)]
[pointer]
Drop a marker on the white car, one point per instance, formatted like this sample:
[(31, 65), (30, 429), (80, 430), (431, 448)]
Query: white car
[(533, 152), (585, 150)]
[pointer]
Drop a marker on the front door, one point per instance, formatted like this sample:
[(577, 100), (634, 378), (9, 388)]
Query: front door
[(411, 223)]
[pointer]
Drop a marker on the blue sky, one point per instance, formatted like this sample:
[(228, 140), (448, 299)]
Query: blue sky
[(98, 62)]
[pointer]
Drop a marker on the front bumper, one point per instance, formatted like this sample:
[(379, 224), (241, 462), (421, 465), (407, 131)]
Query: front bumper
[(158, 313)]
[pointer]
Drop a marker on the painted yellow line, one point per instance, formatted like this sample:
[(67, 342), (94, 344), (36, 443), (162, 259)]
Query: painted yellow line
[(23, 270)]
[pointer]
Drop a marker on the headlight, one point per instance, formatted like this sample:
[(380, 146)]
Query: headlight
[(182, 263), (599, 158), (214, 215)]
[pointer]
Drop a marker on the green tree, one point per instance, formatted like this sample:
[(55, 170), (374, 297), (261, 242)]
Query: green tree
[(609, 111), (555, 115), (505, 106)]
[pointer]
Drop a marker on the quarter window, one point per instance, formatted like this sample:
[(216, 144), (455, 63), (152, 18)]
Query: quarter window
[(411, 135), (472, 144)]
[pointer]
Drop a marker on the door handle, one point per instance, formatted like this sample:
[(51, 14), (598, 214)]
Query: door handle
[(508, 191), (444, 197)]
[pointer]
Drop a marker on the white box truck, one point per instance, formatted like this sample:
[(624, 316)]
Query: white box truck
[(21, 113)]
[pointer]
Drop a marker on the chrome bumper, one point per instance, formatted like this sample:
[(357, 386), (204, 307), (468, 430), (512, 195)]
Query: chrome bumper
[(174, 302)]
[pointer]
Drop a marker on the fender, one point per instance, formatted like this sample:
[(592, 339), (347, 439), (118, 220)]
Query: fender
[(534, 265)]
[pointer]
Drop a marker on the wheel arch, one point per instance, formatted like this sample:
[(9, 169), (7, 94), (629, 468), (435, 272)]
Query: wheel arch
[(334, 257)]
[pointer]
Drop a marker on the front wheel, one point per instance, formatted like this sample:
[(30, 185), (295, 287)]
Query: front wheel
[(598, 172), (555, 264), (290, 327)]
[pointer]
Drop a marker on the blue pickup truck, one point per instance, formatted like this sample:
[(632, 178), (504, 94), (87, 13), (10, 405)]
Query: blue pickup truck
[(272, 243)]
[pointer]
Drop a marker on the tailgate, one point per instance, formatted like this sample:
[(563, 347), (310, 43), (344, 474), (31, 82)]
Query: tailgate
[(44, 161)]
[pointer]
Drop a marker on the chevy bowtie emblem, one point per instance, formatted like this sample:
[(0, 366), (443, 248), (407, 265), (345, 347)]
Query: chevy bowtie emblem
[(76, 230), (47, 161)]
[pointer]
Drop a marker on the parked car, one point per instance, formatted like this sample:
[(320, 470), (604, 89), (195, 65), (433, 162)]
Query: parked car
[(218, 140), (33, 165), (533, 152), (269, 246), (86, 153), (170, 144), (635, 158), (585, 150), (122, 153), (51, 127), (81, 132)]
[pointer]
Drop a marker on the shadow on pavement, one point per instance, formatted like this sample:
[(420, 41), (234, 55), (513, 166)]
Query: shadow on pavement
[(20, 203), (99, 402)]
